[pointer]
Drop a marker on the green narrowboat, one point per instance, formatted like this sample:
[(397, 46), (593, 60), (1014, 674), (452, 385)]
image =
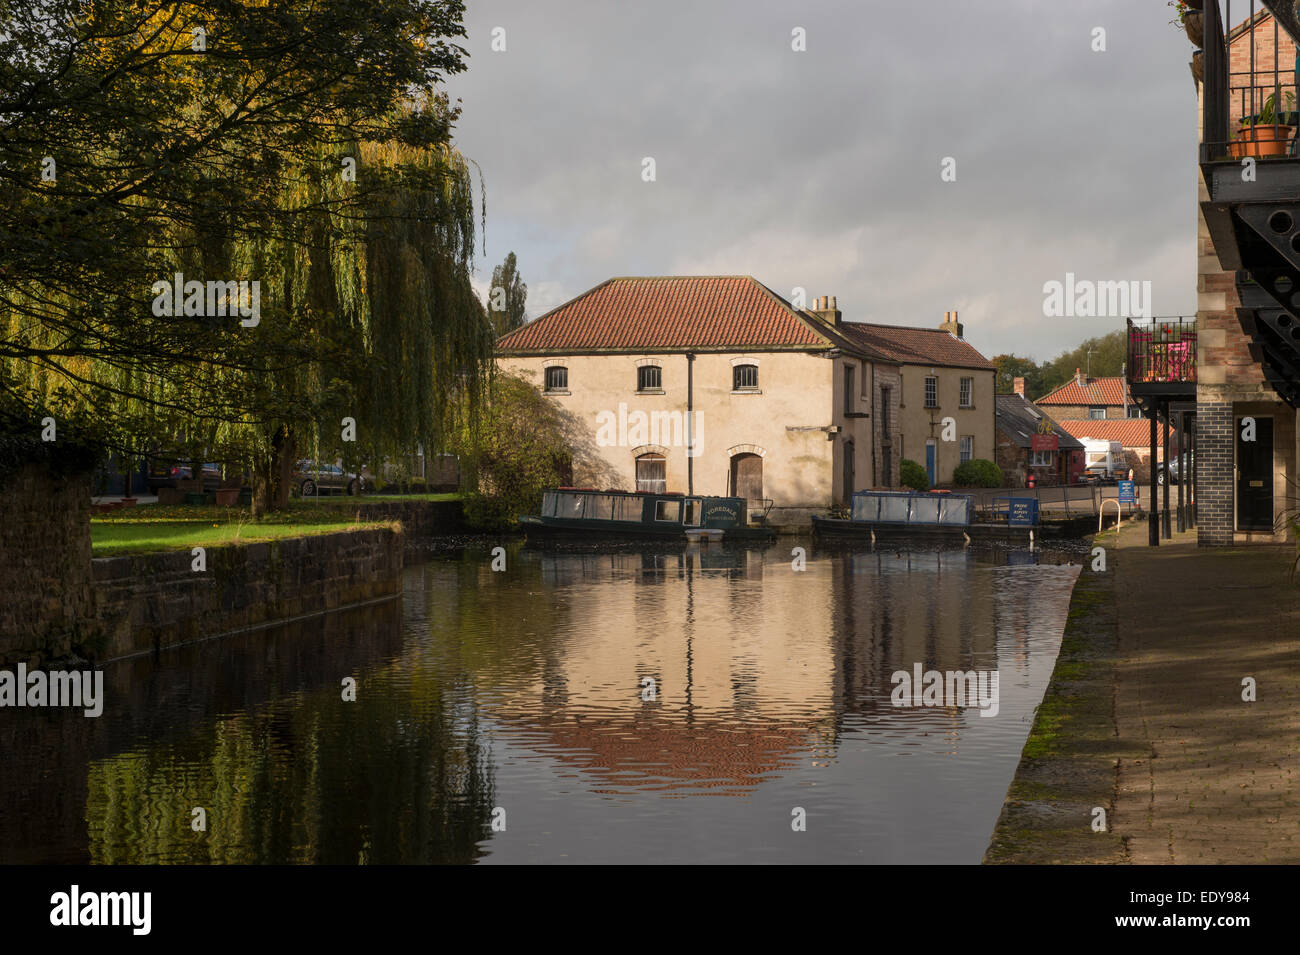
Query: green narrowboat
[(591, 513)]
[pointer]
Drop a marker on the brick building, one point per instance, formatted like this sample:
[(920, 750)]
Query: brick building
[(1244, 474), (1083, 397)]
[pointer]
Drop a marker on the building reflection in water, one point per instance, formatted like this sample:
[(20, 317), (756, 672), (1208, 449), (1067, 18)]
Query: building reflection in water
[(631, 675)]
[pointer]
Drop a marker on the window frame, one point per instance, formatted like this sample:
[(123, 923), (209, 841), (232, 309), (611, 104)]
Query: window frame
[(662, 505), (966, 448), (1092, 412), (966, 393), (550, 389), (932, 391), (649, 371), (648, 457), (737, 386)]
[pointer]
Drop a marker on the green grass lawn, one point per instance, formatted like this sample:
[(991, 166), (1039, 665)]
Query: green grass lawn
[(110, 538), (152, 527)]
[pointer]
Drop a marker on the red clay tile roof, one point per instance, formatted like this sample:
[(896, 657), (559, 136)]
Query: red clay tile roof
[(1095, 391), (915, 346), (669, 313), (1130, 432)]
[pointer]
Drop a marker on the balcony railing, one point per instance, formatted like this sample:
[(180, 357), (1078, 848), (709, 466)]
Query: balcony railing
[(1162, 351), (1252, 111)]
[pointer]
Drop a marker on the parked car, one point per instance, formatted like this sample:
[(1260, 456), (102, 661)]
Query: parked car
[(312, 477), (1174, 468), (165, 472)]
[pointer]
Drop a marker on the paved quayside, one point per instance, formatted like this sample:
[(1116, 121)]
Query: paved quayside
[(1145, 717)]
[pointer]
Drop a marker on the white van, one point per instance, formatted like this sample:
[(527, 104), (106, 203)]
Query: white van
[(1104, 461)]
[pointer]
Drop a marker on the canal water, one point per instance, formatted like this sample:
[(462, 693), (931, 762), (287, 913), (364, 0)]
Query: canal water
[(635, 705)]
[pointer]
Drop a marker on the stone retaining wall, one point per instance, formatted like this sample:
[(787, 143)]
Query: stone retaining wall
[(421, 520), (147, 602), (45, 593)]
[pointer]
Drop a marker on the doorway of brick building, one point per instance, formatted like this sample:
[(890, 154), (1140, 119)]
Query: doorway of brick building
[(1255, 474)]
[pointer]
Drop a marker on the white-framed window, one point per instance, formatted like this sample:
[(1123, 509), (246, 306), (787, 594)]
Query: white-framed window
[(1096, 413), (1040, 459), (967, 447), (967, 392), (931, 392)]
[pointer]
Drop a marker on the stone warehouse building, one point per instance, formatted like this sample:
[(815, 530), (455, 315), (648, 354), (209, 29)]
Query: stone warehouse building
[(716, 385)]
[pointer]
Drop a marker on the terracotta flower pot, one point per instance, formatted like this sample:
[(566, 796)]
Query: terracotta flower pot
[(1194, 25), (1261, 141)]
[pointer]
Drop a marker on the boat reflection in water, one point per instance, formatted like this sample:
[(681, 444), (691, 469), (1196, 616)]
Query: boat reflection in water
[(668, 703)]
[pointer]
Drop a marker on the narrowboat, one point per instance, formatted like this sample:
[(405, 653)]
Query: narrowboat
[(891, 515), (591, 513)]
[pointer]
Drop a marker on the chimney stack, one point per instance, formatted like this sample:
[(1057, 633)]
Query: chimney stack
[(951, 325), (1078, 376), (825, 308), (1018, 386)]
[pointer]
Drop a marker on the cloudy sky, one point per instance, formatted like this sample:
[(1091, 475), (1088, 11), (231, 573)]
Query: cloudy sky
[(821, 169)]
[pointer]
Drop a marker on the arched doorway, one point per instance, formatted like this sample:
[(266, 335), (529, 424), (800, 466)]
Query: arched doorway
[(747, 476)]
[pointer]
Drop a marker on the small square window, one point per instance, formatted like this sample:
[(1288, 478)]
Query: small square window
[(649, 378), (744, 378), (557, 378)]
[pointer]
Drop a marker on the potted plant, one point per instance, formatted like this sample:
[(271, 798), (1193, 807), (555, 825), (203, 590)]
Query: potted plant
[(1269, 132), (1193, 21)]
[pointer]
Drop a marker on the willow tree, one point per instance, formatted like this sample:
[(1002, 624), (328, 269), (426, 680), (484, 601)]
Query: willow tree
[(141, 138), (382, 286)]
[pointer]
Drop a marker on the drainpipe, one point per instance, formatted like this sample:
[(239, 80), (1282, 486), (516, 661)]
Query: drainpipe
[(690, 422)]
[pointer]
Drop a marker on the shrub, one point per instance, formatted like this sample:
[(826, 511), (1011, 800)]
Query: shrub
[(978, 472), (911, 474), (484, 513)]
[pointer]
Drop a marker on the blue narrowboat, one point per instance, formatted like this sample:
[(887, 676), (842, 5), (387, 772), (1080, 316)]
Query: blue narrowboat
[(587, 512)]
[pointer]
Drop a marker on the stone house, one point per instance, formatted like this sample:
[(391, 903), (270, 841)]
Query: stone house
[(1030, 442), (946, 405), (716, 385)]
